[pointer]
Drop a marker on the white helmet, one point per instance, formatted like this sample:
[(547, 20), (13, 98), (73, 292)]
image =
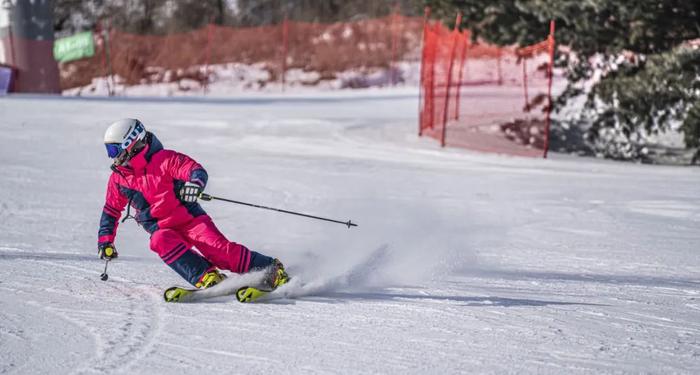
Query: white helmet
[(124, 139)]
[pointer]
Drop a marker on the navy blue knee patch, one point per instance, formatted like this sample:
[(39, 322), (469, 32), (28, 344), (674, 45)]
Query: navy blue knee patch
[(259, 261), (191, 266)]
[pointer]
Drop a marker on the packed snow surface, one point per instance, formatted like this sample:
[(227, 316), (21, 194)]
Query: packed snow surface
[(462, 262)]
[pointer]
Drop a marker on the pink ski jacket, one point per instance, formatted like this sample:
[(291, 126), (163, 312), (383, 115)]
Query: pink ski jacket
[(150, 185)]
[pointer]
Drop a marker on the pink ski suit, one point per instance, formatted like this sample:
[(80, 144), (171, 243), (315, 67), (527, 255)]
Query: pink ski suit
[(150, 185)]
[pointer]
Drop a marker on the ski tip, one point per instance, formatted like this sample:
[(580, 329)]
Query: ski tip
[(249, 294), (176, 294)]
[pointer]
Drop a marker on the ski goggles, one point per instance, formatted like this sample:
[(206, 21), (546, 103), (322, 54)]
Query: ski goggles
[(114, 149)]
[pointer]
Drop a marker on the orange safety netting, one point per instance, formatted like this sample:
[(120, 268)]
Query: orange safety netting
[(484, 97), (324, 48)]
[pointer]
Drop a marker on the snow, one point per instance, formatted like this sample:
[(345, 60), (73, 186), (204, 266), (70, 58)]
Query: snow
[(238, 79), (462, 262)]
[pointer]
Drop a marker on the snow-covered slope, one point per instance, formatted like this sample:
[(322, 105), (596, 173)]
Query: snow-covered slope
[(462, 262)]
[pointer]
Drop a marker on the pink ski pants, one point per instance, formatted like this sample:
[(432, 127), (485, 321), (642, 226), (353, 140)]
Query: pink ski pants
[(171, 243)]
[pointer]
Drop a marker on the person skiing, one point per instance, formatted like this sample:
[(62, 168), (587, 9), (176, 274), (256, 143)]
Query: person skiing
[(163, 186)]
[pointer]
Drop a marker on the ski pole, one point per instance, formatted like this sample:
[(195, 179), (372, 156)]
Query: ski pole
[(104, 275), (207, 197)]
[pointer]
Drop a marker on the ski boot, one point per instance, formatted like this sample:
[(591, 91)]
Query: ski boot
[(208, 280), (275, 276)]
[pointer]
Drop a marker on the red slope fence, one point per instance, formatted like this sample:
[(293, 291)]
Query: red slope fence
[(324, 48), (484, 97)]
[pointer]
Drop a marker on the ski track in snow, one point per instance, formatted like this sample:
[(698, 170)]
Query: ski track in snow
[(462, 262)]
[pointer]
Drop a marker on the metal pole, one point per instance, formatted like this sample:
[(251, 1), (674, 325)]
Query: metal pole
[(500, 70), (12, 46), (394, 45), (527, 99), (461, 69), (108, 46), (101, 32), (285, 50), (421, 94), (210, 33), (104, 275), (455, 36), (550, 73), (207, 197)]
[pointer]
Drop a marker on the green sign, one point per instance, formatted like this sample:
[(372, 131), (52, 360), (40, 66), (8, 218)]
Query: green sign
[(74, 47)]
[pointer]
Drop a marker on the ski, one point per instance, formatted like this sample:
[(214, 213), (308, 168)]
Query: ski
[(247, 288), (227, 287), (248, 294)]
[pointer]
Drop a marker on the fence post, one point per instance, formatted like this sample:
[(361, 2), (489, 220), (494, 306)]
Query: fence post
[(455, 36), (433, 59), (394, 45), (421, 95), (461, 68), (550, 73), (12, 46), (210, 34), (500, 69), (99, 30), (285, 42), (109, 38), (527, 99)]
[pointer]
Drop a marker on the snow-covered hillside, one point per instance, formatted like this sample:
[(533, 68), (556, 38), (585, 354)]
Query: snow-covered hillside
[(237, 79), (461, 263)]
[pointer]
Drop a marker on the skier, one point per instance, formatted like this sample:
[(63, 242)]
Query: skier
[(163, 187)]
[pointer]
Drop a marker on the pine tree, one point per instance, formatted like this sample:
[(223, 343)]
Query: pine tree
[(651, 79)]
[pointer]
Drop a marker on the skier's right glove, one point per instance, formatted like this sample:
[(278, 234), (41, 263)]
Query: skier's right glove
[(107, 251), (190, 192)]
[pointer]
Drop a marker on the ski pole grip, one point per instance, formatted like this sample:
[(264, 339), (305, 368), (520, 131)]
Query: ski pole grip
[(205, 197)]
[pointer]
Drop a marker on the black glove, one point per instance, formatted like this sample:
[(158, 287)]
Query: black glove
[(190, 192), (107, 251)]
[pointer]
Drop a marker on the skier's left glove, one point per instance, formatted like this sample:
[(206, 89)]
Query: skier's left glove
[(190, 192), (107, 251)]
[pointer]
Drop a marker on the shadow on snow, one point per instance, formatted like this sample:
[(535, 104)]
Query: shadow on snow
[(488, 301), (634, 280), (41, 256)]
